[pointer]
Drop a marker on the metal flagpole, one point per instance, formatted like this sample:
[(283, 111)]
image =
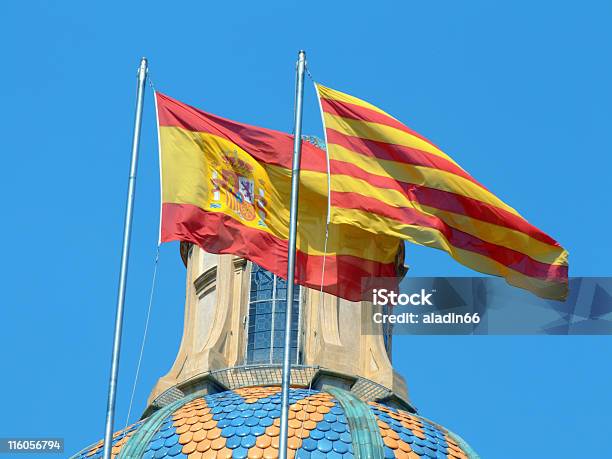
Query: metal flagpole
[(125, 254), (295, 182)]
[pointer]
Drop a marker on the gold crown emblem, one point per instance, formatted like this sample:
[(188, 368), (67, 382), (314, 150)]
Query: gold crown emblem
[(239, 166)]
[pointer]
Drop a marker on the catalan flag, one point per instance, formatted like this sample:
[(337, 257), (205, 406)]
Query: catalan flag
[(387, 179), (226, 187)]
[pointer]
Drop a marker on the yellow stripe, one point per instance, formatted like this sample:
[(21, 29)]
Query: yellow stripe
[(502, 236), (542, 288), (189, 159), (381, 133), (433, 238), (185, 175), (419, 175), (332, 94), (312, 213), (488, 232), (328, 93)]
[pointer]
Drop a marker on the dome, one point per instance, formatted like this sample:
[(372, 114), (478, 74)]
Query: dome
[(244, 423)]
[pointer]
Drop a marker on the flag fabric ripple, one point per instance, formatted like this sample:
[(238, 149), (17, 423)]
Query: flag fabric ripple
[(387, 179), (226, 187)]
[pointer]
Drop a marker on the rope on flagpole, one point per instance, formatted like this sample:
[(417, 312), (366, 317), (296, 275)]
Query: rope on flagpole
[(144, 336), (151, 84), (328, 216)]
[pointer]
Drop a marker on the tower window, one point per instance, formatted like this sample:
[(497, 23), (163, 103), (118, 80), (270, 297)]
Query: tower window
[(266, 323)]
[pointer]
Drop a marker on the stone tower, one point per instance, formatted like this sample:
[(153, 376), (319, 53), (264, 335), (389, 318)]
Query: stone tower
[(220, 316), (221, 397)]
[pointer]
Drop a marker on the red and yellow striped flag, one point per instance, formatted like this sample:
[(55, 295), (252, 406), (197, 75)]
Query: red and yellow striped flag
[(387, 179), (226, 187)]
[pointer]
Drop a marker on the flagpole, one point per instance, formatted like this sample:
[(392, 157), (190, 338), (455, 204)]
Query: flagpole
[(125, 254), (295, 182)]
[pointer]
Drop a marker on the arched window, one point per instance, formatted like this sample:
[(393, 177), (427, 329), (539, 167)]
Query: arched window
[(266, 320)]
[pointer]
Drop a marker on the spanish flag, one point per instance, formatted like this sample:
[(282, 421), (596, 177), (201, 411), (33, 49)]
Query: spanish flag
[(387, 179), (226, 187)]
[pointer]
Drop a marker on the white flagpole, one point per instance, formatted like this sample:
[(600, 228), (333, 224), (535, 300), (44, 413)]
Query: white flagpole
[(125, 254), (295, 184)]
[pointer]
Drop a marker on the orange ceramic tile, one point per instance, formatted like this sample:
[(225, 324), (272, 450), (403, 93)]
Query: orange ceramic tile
[(405, 447), (185, 438), (390, 442), (198, 436), (178, 422), (393, 434), (270, 453), (214, 433), (263, 441), (294, 442), (209, 454), (309, 424), (255, 453), (191, 420), (189, 447), (217, 443), (197, 426), (382, 424), (273, 430), (310, 408), (224, 453), (203, 445), (294, 423), (275, 442), (210, 424)]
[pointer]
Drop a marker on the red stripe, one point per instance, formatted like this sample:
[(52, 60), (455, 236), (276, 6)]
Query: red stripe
[(507, 257), (265, 145), (398, 153), (219, 233), (445, 200), (359, 113)]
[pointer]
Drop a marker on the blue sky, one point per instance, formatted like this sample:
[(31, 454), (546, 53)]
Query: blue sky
[(518, 93)]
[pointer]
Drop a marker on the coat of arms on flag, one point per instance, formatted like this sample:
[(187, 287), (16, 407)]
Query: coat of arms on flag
[(234, 187)]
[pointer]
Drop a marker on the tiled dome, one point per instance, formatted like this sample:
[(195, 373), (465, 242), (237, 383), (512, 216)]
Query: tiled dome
[(244, 423)]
